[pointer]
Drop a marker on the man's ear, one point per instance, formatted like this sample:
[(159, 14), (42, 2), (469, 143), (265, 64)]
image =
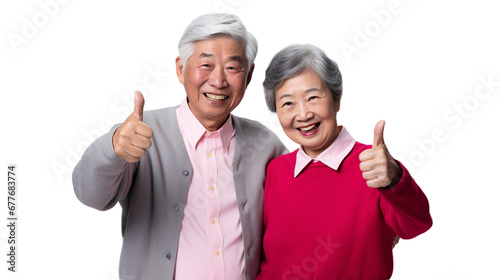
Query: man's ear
[(249, 75), (178, 69)]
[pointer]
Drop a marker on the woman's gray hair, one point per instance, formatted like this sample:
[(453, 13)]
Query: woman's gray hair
[(214, 25), (296, 59)]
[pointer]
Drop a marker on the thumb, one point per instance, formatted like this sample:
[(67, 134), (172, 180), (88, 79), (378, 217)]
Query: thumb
[(138, 105), (378, 136)]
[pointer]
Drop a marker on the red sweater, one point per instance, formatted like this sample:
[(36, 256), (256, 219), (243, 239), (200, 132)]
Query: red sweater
[(328, 224)]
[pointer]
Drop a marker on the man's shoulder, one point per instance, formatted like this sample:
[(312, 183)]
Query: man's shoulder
[(285, 159), (161, 118), (249, 126), (159, 113), (251, 133)]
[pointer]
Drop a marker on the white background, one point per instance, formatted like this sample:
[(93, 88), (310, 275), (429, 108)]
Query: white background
[(68, 72)]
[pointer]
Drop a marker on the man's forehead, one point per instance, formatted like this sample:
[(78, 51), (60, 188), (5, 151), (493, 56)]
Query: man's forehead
[(237, 58), (213, 46)]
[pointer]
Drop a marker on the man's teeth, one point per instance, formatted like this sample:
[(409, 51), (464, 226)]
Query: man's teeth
[(215, 97), (309, 128)]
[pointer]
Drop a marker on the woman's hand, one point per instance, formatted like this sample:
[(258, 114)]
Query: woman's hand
[(379, 168)]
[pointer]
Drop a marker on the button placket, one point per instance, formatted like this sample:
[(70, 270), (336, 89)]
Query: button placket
[(215, 229)]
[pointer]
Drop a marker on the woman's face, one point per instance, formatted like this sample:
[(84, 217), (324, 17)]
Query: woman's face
[(307, 112)]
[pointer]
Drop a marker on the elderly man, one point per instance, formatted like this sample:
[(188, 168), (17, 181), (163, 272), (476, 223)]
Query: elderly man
[(189, 178)]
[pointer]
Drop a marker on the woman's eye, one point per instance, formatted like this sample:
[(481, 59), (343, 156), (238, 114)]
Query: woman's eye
[(313, 97), (287, 104)]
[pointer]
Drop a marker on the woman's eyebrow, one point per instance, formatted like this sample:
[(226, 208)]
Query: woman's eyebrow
[(285, 95), (312, 89)]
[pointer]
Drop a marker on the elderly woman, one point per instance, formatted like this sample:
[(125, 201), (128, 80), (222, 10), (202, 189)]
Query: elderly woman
[(333, 206)]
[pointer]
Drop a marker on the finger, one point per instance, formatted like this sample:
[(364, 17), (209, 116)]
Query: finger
[(141, 142), (378, 136), (135, 152), (366, 166), (367, 155), (370, 175), (144, 130), (138, 105), (376, 183)]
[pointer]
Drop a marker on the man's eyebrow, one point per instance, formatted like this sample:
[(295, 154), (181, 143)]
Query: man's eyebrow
[(206, 55), (235, 58)]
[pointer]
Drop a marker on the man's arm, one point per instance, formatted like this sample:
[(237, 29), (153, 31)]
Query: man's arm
[(101, 178), (105, 173)]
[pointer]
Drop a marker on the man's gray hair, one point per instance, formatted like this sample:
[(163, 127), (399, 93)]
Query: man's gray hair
[(211, 26), (296, 59)]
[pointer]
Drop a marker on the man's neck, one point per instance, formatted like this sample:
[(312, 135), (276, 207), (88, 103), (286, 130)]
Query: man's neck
[(213, 125)]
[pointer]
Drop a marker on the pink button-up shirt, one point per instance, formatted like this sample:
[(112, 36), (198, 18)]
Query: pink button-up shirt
[(210, 243), (331, 156)]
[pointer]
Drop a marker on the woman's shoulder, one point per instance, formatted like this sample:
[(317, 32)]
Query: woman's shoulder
[(360, 147)]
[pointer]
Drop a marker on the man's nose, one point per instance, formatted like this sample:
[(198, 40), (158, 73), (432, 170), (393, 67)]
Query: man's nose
[(217, 78)]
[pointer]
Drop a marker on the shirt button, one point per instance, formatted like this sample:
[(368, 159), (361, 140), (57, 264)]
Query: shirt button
[(212, 188), (213, 222), (217, 253), (176, 208), (186, 173), (209, 154), (168, 256)]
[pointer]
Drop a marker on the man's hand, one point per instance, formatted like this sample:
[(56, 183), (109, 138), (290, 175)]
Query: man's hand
[(395, 241), (378, 167), (131, 139)]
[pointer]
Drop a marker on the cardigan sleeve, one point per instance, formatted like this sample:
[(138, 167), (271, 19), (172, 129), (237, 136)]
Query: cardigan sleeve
[(101, 178), (405, 207)]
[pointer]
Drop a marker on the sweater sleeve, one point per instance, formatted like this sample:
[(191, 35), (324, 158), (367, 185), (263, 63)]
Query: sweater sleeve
[(405, 207), (101, 178)]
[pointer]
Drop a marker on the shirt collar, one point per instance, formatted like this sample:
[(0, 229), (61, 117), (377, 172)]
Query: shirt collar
[(194, 130), (332, 156)]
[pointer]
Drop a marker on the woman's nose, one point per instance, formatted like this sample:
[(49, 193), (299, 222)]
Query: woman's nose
[(303, 113)]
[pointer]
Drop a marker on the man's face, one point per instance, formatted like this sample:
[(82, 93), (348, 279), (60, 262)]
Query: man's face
[(215, 79)]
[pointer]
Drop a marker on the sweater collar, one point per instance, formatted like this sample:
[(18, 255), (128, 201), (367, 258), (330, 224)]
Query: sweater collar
[(332, 156)]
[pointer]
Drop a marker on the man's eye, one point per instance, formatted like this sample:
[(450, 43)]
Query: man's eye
[(232, 69)]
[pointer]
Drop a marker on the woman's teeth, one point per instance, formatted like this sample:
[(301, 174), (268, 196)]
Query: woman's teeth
[(215, 97), (310, 128)]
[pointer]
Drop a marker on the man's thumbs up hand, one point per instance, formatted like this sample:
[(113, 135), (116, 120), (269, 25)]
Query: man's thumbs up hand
[(138, 105), (132, 137), (378, 167)]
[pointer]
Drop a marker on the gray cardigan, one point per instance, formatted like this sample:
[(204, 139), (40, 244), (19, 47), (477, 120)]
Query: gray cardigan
[(153, 192)]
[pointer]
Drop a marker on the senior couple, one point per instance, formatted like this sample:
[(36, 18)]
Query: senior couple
[(209, 195)]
